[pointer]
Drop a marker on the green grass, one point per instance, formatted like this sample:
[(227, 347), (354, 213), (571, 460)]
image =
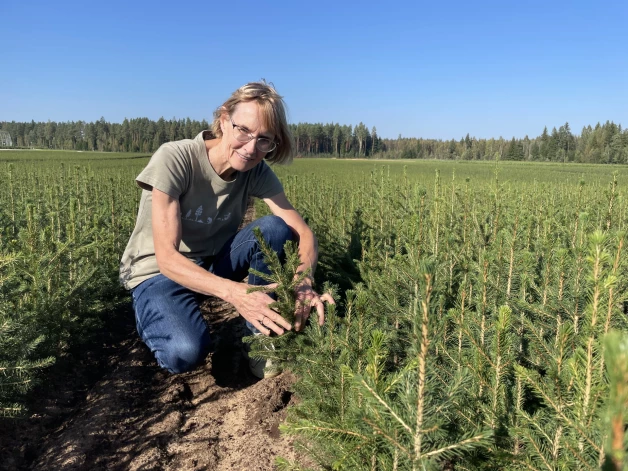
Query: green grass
[(91, 159), (423, 170)]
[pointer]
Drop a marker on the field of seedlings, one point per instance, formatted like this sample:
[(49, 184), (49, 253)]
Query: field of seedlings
[(65, 217), (477, 300), (480, 305)]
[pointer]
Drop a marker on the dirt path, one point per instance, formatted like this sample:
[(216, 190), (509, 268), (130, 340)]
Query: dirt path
[(115, 409)]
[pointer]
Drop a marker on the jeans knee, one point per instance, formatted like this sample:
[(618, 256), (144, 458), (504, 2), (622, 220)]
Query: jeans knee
[(183, 354), (275, 231)]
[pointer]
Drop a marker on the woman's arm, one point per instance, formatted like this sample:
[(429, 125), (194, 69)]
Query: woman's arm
[(308, 245), (166, 221)]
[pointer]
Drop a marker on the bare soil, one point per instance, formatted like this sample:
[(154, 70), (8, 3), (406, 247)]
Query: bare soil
[(139, 417)]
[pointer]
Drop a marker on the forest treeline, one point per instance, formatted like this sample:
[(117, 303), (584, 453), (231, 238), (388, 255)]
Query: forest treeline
[(602, 143)]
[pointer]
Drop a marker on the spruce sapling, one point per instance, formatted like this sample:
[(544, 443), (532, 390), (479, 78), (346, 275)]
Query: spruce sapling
[(285, 275), (616, 355)]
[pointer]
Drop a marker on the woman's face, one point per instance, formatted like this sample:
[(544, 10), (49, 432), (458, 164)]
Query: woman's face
[(247, 118)]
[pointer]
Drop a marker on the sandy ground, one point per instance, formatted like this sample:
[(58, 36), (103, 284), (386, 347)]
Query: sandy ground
[(138, 417)]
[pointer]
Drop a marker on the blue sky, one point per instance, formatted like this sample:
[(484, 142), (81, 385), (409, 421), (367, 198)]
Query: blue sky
[(414, 68)]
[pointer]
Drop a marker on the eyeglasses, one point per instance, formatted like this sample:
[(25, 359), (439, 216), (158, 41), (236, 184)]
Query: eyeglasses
[(262, 144)]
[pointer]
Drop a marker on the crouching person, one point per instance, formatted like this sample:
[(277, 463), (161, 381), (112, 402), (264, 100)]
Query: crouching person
[(186, 244)]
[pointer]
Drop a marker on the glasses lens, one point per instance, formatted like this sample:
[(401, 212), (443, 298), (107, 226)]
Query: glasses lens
[(265, 145), (240, 135)]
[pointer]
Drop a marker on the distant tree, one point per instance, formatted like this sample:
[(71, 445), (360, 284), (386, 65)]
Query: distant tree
[(514, 151), (361, 133), (617, 149), (467, 142), (565, 142), (554, 145), (526, 148), (452, 150), (336, 134), (374, 141), (545, 145), (318, 134), (348, 135), (603, 143), (49, 135), (535, 151)]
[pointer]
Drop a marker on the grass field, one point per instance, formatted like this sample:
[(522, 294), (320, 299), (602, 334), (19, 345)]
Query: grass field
[(476, 171)]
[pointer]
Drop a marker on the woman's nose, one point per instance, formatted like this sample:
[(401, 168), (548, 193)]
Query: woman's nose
[(250, 146)]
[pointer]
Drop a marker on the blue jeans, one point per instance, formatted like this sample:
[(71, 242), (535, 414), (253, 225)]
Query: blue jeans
[(168, 316)]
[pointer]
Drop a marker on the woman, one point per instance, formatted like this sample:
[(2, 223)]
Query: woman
[(186, 241)]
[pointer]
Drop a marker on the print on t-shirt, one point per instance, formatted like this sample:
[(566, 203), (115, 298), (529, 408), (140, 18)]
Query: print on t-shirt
[(199, 213)]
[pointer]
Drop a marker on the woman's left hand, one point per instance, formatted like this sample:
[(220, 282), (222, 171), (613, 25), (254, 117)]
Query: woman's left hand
[(307, 298)]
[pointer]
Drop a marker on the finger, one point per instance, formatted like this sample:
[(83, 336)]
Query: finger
[(298, 318), (275, 328), (301, 315), (320, 309), (277, 323), (261, 328)]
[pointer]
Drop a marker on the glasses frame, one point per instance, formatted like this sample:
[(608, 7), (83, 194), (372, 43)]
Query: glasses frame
[(249, 137)]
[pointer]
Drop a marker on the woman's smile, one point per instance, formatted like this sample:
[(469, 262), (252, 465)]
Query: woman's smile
[(245, 158)]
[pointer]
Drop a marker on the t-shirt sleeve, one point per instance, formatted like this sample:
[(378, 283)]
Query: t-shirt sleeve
[(266, 183), (168, 170)]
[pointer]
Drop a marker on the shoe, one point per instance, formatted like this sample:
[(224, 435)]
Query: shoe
[(261, 368)]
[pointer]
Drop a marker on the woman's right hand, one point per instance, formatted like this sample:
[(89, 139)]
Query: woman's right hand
[(254, 308)]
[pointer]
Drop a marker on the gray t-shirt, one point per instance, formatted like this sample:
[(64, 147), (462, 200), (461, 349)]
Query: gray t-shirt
[(211, 208)]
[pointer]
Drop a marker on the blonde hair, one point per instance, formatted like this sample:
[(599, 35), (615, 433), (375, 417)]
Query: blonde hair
[(273, 110)]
